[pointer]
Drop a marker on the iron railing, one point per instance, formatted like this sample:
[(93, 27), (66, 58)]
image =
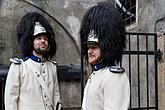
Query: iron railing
[(140, 63)]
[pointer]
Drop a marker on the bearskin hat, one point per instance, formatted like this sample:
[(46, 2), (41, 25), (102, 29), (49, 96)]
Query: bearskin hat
[(25, 33), (104, 22)]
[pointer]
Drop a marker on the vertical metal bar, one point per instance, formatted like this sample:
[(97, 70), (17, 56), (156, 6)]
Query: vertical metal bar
[(82, 75), (129, 48), (138, 70), (147, 71), (120, 63), (156, 74), (1, 94), (3, 91)]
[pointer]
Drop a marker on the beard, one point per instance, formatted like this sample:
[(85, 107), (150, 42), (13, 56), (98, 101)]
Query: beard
[(41, 51)]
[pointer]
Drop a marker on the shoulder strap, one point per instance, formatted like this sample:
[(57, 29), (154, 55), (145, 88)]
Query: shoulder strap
[(16, 60), (42, 83), (116, 69)]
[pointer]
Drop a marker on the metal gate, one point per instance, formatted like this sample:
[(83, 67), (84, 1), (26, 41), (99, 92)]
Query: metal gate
[(140, 63), (3, 74)]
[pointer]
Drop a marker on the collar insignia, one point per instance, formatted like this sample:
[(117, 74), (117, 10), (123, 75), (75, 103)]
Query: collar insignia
[(97, 66)]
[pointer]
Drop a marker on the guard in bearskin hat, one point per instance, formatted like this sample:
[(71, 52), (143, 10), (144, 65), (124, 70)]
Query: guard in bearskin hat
[(103, 39), (32, 82)]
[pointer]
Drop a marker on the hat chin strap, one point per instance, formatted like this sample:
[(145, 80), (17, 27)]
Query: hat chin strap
[(99, 60)]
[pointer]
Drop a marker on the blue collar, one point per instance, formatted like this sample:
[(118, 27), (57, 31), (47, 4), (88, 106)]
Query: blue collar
[(97, 66), (35, 58)]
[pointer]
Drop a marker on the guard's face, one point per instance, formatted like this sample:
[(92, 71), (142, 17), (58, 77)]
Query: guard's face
[(40, 44), (94, 53)]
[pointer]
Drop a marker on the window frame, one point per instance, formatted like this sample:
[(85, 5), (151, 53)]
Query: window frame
[(132, 25)]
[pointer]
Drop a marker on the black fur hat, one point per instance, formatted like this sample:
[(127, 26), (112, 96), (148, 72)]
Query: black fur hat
[(25, 31), (105, 22)]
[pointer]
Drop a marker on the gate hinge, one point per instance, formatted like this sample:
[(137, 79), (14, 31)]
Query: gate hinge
[(158, 55)]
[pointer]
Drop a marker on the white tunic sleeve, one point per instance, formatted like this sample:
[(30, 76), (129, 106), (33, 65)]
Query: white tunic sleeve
[(12, 87), (116, 92), (57, 103)]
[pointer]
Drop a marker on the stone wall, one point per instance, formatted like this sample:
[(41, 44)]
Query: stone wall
[(160, 29)]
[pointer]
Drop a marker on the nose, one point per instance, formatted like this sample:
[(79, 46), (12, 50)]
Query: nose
[(90, 50), (42, 39)]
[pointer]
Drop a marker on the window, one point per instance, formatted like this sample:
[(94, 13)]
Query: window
[(128, 10)]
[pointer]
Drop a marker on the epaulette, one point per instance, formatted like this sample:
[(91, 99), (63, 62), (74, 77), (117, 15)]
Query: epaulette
[(116, 69), (54, 62), (16, 60)]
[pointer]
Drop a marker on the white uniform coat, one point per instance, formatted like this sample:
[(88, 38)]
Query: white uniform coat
[(23, 91), (106, 91)]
